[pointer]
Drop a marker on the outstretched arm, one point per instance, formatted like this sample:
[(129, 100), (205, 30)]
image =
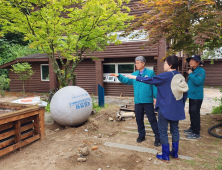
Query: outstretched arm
[(122, 79), (154, 89), (154, 80)]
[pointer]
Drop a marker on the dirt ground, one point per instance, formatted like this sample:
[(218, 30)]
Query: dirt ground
[(59, 149)]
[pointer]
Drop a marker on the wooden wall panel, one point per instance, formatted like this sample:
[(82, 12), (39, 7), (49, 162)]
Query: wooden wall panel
[(86, 76), (116, 89), (213, 73), (131, 5), (33, 85), (126, 49)]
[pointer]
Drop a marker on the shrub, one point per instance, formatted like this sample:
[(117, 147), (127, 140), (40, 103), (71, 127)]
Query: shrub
[(217, 110), (4, 85), (47, 108)]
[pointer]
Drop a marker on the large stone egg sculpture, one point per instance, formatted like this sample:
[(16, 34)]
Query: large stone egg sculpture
[(71, 106)]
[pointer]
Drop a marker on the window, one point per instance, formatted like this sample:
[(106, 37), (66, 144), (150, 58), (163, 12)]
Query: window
[(136, 35), (44, 72), (123, 68), (109, 68), (149, 67)]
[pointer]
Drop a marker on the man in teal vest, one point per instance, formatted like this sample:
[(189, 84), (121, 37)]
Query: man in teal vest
[(144, 96), (195, 83)]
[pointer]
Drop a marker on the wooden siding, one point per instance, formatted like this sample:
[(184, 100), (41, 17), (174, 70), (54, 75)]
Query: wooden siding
[(117, 89), (131, 5), (213, 73), (134, 9), (126, 49), (33, 85), (86, 76)]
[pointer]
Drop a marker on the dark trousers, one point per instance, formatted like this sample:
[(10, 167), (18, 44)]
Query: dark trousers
[(194, 111), (149, 109), (163, 127)]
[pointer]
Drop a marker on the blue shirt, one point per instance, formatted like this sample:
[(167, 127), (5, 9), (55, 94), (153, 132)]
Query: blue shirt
[(171, 108), (195, 83), (141, 72), (143, 93)]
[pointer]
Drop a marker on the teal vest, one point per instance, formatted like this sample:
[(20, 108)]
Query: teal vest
[(143, 93), (195, 83)]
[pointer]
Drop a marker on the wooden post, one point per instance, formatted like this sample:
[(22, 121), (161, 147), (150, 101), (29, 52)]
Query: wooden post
[(42, 123), (36, 125), (161, 54), (99, 73), (17, 125)]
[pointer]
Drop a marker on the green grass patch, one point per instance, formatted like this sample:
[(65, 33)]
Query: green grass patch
[(191, 162), (97, 108), (219, 167), (217, 110), (199, 155), (133, 130), (122, 133), (47, 108), (219, 161), (216, 141)]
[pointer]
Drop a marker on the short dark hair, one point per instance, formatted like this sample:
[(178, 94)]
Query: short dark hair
[(172, 61)]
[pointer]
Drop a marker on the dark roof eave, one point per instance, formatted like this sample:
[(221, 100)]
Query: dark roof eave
[(23, 60)]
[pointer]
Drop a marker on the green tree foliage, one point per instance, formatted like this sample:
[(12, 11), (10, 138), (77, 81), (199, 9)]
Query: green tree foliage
[(65, 30), (212, 54), (4, 84), (10, 50), (192, 26), (24, 71)]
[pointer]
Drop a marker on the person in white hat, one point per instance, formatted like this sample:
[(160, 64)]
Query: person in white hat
[(171, 98)]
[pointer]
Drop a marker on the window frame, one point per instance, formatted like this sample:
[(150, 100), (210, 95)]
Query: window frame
[(42, 71), (115, 80), (126, 64), (127, 39)]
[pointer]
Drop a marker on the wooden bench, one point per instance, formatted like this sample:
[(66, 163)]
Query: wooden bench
[(20, 127)]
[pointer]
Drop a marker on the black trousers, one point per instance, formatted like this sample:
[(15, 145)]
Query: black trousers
[(149, 109), (194, 111)]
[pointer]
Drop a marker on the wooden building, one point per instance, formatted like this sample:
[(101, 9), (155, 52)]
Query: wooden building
[(37, 83), (91, 73), (115, 59)]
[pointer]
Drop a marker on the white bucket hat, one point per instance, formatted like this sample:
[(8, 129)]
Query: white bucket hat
[(178, 86)]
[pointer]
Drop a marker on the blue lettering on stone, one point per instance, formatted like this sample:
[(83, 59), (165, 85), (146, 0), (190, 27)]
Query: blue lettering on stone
[(80, 103), (80, 96), (77, 106)]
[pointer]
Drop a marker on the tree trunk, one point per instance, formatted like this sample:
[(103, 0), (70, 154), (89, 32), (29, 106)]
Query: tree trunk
[(74, 80), (23, 87)]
